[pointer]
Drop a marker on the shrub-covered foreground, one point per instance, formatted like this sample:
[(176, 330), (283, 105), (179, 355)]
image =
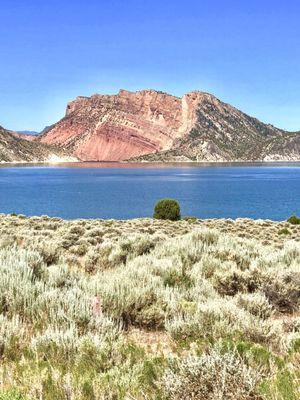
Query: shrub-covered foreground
[(201, 315)]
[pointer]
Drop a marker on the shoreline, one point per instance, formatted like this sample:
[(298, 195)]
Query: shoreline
[(147, 219), (38, 162), (150, 163), (188, 219)]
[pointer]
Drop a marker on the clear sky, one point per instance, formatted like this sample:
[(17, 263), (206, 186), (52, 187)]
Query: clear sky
[(245, 52)]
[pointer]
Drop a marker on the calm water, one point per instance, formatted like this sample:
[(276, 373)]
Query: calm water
[(95, 190)]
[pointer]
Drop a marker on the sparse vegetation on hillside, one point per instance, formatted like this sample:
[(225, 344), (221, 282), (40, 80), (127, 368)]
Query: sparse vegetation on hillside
[(15, 148), (148, 309), (224, 133)]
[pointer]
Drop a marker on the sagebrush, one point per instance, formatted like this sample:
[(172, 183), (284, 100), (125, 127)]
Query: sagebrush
[(146, 310)]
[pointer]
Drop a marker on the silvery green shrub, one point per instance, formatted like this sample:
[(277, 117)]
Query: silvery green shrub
[(212, 376)]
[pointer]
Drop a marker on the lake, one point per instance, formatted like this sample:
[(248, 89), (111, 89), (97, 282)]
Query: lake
[(121, 191)]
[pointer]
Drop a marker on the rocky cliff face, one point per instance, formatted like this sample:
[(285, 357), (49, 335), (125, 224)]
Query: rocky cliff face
[(154, 126), (15, 149), (122, 126)]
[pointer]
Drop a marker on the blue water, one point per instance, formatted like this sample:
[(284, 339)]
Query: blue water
[(94, 190)]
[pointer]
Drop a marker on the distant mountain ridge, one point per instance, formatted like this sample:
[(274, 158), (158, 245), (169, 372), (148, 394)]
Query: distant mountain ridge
[(33, 133), (150, 125)]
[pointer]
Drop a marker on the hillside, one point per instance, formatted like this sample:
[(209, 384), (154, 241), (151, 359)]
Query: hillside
[(117, 127), (13, 148), (22, 135), (154, 126), (223, 133), (28, 135)]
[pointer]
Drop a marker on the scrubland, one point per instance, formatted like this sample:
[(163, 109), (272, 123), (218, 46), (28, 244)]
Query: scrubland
[(149, 309)]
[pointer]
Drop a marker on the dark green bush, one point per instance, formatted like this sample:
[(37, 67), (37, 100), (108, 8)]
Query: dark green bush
[(294, 220), (167, 209)]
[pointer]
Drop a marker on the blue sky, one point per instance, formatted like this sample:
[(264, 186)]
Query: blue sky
[(245, 52)]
